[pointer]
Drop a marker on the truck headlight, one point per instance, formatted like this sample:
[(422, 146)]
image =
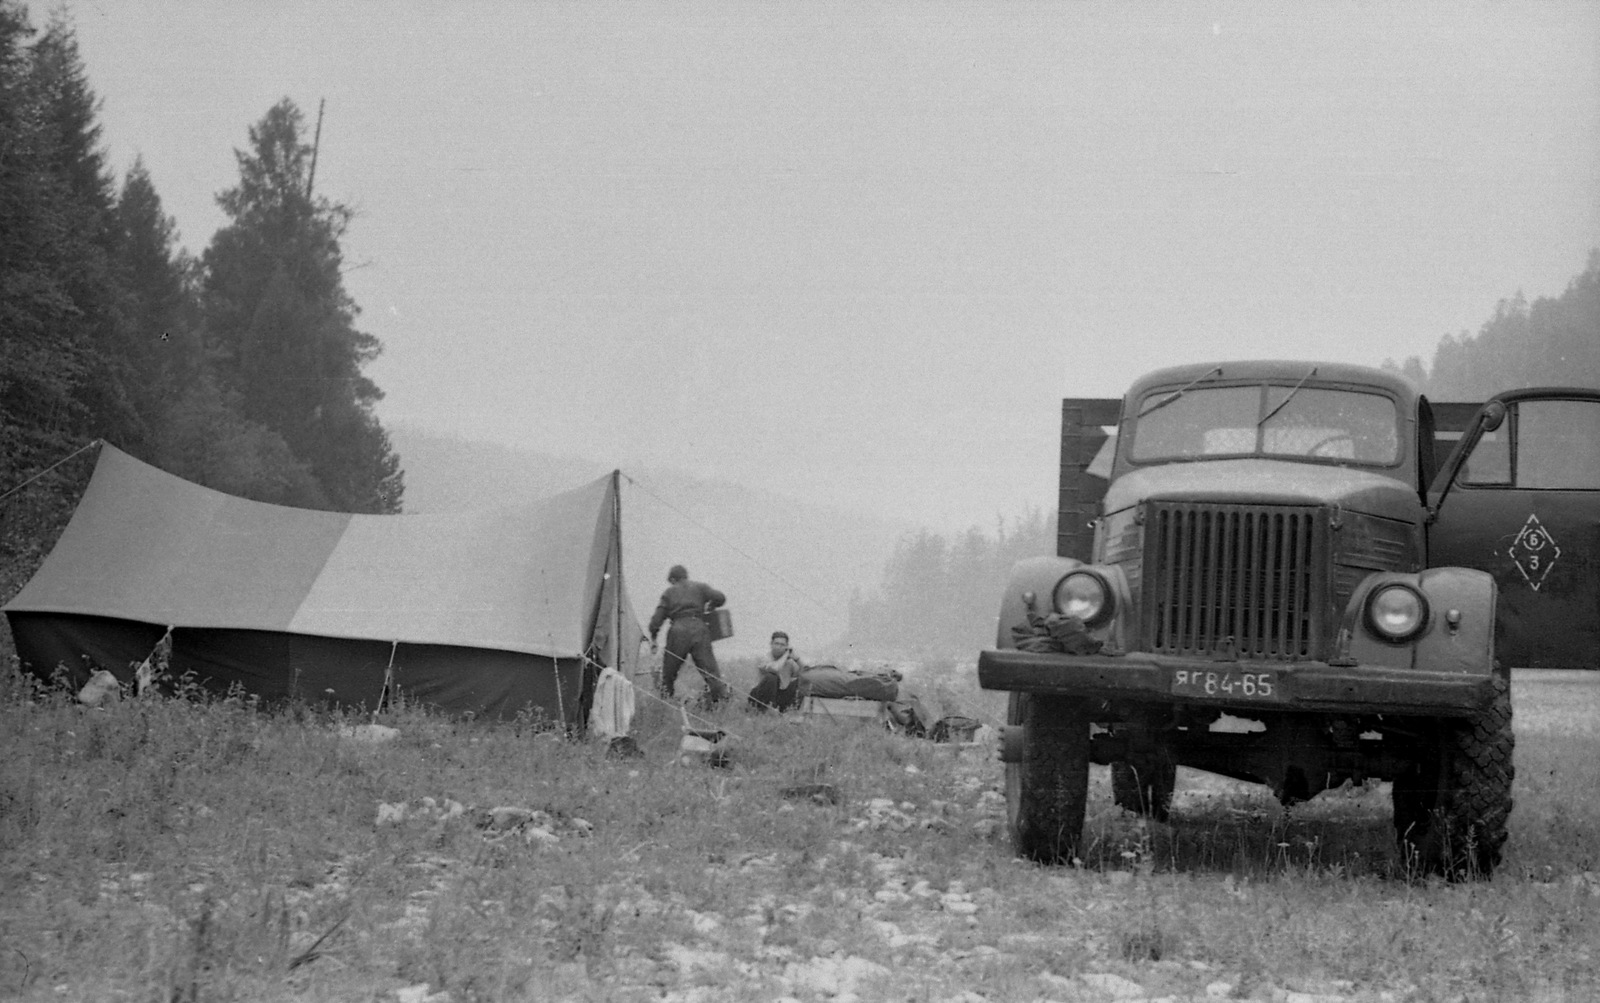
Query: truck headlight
[(1085, 595), (1396, 613)]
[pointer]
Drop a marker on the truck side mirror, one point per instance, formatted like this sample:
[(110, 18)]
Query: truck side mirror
[(1490, 418), (1494, 415)]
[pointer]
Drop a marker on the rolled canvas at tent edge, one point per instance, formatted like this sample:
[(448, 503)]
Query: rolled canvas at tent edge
[(489, 609)]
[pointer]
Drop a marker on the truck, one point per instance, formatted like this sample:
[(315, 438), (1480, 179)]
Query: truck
[(1299, 574)]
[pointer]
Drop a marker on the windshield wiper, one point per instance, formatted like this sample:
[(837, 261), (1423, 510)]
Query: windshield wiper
[(1163, 402), (1286, 400)]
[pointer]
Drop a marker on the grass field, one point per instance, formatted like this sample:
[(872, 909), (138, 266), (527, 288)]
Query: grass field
[(174, 851)]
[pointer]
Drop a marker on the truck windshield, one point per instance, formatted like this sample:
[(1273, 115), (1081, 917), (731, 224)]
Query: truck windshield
[(1346, 426)]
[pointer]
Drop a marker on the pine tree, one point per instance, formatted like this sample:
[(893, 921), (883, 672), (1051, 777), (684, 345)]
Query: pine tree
[(65, 111), (159, 301), (41, 365), (205, 439), (51, 309), (281, 326)]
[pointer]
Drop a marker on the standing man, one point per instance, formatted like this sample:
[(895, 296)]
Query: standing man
[(682, 603)]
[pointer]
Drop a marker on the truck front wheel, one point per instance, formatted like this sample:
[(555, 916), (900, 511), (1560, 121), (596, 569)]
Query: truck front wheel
[(1451, 805), (1047, 791)]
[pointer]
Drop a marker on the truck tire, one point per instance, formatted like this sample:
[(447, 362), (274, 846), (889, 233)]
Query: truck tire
[(1452, 804), (1146, 788), (1047, 791)]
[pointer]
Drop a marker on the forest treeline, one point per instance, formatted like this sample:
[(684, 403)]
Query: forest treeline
[(240, 369), (1553, 341), (939, 597)]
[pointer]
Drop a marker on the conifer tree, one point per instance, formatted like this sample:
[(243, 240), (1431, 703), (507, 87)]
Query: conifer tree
[(281, 326), (81, 192), (50, 308), (1552, 341), (158, 301), (41, 363)]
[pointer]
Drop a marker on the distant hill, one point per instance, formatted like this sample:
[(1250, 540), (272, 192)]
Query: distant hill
[(798, 565)]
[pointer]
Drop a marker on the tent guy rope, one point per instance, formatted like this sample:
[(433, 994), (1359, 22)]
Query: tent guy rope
[(90, 445), (802, 593), (640, 691)]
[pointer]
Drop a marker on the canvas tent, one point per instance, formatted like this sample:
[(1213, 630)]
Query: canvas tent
[(492, 612)]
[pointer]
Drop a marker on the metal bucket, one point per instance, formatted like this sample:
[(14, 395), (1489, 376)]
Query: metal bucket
[(720, 622)]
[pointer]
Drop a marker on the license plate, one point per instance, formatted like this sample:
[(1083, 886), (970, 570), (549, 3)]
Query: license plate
[(1227, 684)]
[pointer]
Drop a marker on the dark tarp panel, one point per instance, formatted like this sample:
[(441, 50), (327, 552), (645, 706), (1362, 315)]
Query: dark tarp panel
[(260, 661), (349, 673), (278, 666), (500, 684), (81, 643)]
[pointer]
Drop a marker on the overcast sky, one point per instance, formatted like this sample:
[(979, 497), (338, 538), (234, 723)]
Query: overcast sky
[(857, 253)]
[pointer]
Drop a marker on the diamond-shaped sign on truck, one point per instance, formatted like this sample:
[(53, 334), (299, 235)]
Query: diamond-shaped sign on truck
[(1534, 551)]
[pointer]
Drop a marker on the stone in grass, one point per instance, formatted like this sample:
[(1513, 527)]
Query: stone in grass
[(509, 817), (820, 793), (1114, 986), (624, 747), (833, 976), (101, 689), (369, 732), (391, 813)]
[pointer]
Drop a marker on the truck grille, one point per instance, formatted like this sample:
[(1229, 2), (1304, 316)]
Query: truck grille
[(1234, 578)]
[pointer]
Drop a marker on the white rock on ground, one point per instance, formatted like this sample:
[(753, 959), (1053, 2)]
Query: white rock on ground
[(102, 688), (687, 959), (509, 817), (369, 732), (391, 813), (832, 976), (1114, 986)]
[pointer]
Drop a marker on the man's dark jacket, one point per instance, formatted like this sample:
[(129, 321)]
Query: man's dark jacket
[(684, 599)]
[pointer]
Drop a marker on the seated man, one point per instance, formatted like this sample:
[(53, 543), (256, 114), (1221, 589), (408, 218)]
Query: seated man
[(779, 685)]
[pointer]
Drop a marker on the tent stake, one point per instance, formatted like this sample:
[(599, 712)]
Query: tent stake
[(561, 708), (388, 680)]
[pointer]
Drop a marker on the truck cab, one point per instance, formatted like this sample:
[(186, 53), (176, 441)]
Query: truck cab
[(1286, 572)]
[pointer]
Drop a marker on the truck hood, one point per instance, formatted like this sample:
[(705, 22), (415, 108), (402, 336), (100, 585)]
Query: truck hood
[(1266, 482)]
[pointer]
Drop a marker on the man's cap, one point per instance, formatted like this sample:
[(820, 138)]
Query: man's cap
[(677, 573), (778, 633)]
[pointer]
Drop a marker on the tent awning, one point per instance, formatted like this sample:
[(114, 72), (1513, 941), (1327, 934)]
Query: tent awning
[(145, 545)]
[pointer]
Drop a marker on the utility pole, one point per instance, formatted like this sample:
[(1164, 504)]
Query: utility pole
[(316, 144)]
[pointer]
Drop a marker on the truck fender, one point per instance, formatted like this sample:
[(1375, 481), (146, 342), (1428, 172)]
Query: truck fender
[(1040, 575), (1459, 636)]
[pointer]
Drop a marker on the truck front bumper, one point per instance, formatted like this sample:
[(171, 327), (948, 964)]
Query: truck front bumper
[(1294, 686)]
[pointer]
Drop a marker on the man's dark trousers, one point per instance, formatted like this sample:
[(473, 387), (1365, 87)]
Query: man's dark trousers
[(689, 637)]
